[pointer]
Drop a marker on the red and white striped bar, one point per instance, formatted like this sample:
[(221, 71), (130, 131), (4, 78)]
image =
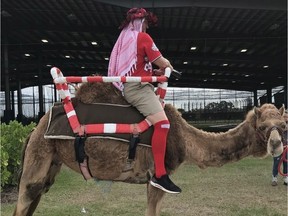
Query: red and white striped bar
[(62, 87), (72, 117), (76, 79), (63, 91), (56, 72), (116, 128), (60, 79), (161, 90)]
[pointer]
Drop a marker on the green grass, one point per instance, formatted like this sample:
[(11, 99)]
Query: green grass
[(237, 189)]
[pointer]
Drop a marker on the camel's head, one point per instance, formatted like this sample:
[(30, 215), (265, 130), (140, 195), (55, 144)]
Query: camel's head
[(270, 125)]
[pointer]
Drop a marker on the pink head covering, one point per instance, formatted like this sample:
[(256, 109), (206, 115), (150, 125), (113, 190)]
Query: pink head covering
[(123, 58)]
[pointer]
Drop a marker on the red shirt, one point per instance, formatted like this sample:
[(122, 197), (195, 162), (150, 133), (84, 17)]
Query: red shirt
[(147, 52)]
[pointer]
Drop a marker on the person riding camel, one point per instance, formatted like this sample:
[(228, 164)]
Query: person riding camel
[(133, 55)]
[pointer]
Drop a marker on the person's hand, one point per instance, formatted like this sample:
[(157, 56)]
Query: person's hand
[(158, 72)]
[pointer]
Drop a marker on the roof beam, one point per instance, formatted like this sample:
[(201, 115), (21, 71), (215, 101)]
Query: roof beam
[(158, 33), (243, 4), (174, 57), (187, 73)]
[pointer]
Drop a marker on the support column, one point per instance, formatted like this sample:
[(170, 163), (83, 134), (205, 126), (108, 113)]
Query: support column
[(269, 95), (19, 102), (34, 110), (40, 87), (255, 98), (285, 99), (12, 99), (55, 93), (286, 93), (8, 113)]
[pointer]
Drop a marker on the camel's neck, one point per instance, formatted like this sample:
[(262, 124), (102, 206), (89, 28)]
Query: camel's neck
[(216, 149)]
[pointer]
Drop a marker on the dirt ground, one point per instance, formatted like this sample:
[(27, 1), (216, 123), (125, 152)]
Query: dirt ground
[(9, 195)]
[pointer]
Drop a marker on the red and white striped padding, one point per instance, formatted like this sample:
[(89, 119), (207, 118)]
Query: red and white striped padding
[(103, 128), (162, 87), (60, 79), (116, 128), (76, 79), (161, 90), (62, 87), (72, 118)]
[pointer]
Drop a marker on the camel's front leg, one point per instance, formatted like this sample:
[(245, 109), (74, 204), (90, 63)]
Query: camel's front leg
[(154, 198), (40, 167), (31, 186)]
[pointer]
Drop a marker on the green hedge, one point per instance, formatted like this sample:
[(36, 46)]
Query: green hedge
[(13, 136)]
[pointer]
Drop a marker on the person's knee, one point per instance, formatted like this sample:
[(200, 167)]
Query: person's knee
[(157, 117)]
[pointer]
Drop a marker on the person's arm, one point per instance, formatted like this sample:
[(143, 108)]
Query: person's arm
[(162, 63)]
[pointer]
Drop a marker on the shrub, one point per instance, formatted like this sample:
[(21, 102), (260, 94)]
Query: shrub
[(12, 137)]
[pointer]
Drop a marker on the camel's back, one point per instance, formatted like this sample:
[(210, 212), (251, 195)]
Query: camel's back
[(99, 93)]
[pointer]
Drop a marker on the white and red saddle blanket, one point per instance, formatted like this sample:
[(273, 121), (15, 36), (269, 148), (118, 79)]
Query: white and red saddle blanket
[(59, 127)]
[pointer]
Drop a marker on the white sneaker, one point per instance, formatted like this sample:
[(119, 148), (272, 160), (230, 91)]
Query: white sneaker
[(274, 180), (285, 180)]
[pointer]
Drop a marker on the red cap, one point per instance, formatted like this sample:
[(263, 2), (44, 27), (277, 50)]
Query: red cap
[(139, 13)]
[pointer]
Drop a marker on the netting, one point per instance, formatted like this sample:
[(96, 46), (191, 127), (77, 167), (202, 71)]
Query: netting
[(187, 99)]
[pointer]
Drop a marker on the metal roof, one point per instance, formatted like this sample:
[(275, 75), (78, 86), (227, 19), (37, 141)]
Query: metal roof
[(218, 29)]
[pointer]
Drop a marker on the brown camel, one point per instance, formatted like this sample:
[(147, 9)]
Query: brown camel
[(259, 134)]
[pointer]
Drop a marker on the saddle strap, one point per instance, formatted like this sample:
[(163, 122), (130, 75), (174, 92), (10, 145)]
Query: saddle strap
[(81, 157), (85, 171), (132, 146)]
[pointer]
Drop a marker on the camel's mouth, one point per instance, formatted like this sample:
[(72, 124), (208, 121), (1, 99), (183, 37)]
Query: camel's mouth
[(275, 145), (276, 151)]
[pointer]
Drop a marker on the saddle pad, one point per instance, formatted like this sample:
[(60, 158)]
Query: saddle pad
[(59, 127)]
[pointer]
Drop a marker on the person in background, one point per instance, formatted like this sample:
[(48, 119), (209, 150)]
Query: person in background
[(133, 55), (276, 160)]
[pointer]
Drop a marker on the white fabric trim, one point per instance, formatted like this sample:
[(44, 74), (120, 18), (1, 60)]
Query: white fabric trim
[(165, 126), (63, 137), (71, 113), (62, 93), (53, 72), (167, 72), (60, 80), (84, 79), (149, 123), (109, 128)]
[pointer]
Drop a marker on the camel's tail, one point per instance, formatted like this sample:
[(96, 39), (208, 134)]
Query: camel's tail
[(23, 156)]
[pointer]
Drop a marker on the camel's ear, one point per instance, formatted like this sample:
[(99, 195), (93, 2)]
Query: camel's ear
[(282, 110), (257, 112)]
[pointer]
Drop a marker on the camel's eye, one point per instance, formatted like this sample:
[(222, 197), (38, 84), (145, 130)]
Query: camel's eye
[(283, 126), (262, 127)]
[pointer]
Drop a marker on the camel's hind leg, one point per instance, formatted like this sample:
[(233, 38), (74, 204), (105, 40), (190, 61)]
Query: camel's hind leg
[(154, 198), (40, 167)]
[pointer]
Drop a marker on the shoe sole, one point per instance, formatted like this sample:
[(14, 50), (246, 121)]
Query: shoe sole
[(162, 188)]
